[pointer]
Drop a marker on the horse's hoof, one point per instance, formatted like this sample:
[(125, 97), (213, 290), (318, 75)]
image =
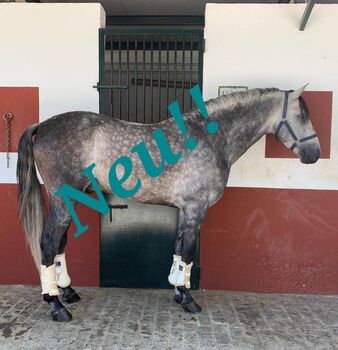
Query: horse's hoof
[(61, 315), (182, 296), (192, 308), (69, 295), (178, 298)]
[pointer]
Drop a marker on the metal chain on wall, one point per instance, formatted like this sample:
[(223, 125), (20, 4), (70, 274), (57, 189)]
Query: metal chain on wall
[(7, 117)]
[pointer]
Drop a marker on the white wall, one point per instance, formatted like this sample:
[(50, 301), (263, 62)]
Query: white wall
[(54, 47), (261, 46)]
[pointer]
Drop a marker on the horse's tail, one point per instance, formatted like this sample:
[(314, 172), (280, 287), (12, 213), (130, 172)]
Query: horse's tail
[(31, 205)]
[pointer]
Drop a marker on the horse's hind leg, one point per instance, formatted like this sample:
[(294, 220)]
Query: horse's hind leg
[(188, 231), (58, 221), (68, 295)]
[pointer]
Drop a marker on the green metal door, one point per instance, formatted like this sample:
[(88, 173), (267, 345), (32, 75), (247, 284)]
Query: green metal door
[(141, 72)]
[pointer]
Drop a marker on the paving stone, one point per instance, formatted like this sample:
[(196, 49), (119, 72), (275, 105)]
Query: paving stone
[(150, 319)]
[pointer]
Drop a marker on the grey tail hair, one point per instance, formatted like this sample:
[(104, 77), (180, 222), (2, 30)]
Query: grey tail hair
[(31, 204)]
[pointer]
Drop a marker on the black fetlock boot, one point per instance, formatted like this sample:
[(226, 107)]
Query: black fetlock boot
[(183, 297), (58, 312), (69, 295)]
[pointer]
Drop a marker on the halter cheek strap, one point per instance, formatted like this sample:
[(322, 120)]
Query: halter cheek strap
[(285, 123)]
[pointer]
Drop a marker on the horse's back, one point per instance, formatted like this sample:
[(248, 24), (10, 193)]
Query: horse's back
[(68, 143), (63, 144)]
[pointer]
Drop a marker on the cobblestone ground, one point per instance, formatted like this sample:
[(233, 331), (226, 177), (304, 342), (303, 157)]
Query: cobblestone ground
[(150, 319)]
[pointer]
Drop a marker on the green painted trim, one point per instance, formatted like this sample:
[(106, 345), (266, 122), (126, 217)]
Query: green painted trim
[(102, 39), (155, 20), (140, 31), (200, 59)]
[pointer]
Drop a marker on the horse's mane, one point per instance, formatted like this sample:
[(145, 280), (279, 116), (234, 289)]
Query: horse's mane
[(231, 101)]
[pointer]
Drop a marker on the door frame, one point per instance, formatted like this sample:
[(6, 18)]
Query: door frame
[(197, 32)]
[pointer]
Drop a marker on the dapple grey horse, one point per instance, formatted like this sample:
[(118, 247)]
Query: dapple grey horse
[(66, 144)]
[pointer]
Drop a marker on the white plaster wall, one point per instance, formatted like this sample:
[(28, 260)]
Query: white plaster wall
[(261, 46), (54, 47)]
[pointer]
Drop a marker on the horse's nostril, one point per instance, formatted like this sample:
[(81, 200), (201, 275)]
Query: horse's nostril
[(313, 157), (309, 156)]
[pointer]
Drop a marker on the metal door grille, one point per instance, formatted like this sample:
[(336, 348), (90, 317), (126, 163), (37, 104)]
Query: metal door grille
[(144, 70)]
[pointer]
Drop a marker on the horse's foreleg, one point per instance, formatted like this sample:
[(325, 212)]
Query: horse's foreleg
[(188, 231), (57, 223), (63, 279)]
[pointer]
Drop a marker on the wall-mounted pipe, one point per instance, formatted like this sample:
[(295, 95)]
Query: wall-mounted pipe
[(306, 14)]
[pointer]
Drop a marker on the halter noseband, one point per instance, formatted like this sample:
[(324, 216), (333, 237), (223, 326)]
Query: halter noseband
[(289, 128)]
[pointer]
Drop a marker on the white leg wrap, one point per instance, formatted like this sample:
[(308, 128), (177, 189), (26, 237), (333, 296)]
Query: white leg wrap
[(62, 277), (48, 280), (180, 273)]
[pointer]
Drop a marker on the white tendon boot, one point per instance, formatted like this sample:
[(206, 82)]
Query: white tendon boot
[(180, 273), (48, 280), (174, 268), (62, 277)]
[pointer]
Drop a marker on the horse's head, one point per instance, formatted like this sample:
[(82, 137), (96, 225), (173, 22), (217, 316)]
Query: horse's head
[(295, 130)]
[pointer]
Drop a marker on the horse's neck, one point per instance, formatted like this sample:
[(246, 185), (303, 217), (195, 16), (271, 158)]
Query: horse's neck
[(244, 124)]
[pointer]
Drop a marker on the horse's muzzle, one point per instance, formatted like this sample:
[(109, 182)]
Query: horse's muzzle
[(309, 155)]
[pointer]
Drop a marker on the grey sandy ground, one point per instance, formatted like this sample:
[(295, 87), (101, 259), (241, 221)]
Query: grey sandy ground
[(150, 319)]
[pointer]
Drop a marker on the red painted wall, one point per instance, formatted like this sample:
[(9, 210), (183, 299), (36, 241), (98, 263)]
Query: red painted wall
[(271, 240), (16, 264), (274, 240), (23, 103)]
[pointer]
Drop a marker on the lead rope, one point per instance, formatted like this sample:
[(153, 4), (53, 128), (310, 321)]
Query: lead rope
[(7, 117)]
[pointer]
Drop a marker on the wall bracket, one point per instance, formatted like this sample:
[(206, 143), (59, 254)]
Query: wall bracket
[(307, 13)]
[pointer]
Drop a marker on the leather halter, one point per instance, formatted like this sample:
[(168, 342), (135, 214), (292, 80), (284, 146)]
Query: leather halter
[(289, 128)]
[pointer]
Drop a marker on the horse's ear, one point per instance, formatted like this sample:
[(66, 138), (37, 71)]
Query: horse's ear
[(296, 93)]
